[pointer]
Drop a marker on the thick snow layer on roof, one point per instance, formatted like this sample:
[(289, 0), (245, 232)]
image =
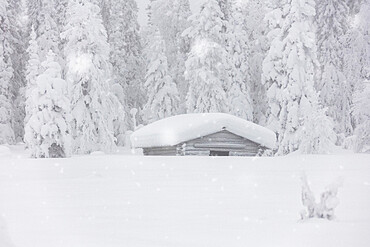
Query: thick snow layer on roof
[(175, 130)]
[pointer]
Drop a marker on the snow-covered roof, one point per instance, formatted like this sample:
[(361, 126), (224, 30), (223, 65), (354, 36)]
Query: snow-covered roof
[(178, 129)]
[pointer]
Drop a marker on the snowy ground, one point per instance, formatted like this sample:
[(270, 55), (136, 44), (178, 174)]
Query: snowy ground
[(135, 201)]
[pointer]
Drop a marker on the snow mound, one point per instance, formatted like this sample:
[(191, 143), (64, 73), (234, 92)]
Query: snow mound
[(175, 130), (5, 151), (98, 153), (4, 237)]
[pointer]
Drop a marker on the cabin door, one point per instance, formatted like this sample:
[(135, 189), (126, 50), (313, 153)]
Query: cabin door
[(219, 153)]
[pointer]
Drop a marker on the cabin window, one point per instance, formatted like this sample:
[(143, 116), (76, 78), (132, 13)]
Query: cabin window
[(219, 153)]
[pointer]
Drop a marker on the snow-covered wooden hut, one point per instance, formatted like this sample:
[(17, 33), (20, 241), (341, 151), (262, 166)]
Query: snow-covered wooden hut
[(209, 134)]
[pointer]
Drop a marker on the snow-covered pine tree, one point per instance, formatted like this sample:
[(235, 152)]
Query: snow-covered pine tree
[(126, 53), (46, 18), (362, 94), (289, 70), (163, 98), (47, 132), (45, 22), (17, 42), (225, 36), (354, 6), (171, 18), (272, 66), (61, 8), (149, 11), (6, 75), (32, 71), (254, 12), (238, 93), (317, 135), (352, 48), (48, 33), (94, 107), (335, 90), (226, 9), (105, 9), (362, 115), (354, 58), (60, 19), (208, 63), (33, 12)]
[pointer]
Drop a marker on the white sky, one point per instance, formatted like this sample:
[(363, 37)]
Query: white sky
[(142, 4)]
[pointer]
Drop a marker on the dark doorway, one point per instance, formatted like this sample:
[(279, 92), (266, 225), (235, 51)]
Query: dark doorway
[(219, 153)]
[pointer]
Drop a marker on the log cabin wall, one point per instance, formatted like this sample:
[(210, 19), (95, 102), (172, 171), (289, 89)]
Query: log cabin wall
[(161, 151), (222, 143)]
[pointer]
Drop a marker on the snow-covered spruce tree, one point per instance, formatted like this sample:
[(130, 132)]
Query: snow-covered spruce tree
[(208, 63), (126, 53), (46, 17), (171, 18), (335, 90), (33, 69), (94, 107), (6, 74), (362, 94), (163, 98), (226, 9), (288, 72), (254, 26), (33, 12), (105, 10), (47, 132), (226, 35), (60, 19), (61, 8), (238, 93), (362, 115), (352, 49), (354, 6), (18, 46), (317, 135), (48, 33), (234, 38), (44, 35), (272, 65)]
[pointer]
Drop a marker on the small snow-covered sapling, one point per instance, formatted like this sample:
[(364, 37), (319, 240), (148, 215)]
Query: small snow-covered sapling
[(328, 200), (308, 199)]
